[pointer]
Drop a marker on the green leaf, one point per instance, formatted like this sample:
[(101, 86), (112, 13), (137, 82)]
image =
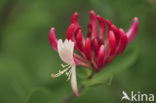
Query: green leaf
[(40, 95), (120, 63)]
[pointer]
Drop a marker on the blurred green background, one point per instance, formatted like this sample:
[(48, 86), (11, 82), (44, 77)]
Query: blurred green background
[(27, 59)]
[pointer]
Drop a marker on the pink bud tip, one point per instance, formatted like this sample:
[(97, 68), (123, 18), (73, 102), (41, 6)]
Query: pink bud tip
[(53, 39), (74, 18), (108, 22), (133, 30), (70, 32)]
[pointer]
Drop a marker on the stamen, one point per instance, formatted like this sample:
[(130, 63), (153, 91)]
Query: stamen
[(60, 72), (53, 75), (69, 75), (63, 66)]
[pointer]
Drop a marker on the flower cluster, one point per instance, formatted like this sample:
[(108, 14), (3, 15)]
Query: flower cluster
[(97, 50)]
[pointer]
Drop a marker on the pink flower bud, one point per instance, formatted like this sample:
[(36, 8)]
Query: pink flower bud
[(100, 57), (122, 42), (112, 44), (88, 49), (53, 39), (102, 27), (79, 40), (70, 32), (96, 46), (133, 30), (93, 24), (74, 18)]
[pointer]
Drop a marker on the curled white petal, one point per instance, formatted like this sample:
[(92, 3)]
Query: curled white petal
[(74, 81), (65, 51)]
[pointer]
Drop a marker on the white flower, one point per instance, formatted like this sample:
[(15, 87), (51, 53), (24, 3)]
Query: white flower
[(65, 51)]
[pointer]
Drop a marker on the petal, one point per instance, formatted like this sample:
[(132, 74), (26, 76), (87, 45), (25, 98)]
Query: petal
[(102, 27), (65, 51), (53, 39), (133, 30), (74, 81)]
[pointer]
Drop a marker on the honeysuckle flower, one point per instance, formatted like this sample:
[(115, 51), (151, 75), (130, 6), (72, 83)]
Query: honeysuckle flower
[(97, 50), (65, 51)]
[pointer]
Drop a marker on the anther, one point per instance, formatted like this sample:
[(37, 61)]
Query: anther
[(63, 66), (53, 75)]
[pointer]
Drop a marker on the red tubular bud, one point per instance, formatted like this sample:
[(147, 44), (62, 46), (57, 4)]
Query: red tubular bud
[(122, 42), (88, 51), (133, 30), (93, 23), (70, 32), (112, 44), (102, 27), (96, 46), (74, 18), (116, 32), (79, 40), (53, 39), (114, 28), (100, 57)]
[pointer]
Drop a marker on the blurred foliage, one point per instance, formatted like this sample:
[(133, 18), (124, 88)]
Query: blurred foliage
[(40, 95), (27, 59)]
